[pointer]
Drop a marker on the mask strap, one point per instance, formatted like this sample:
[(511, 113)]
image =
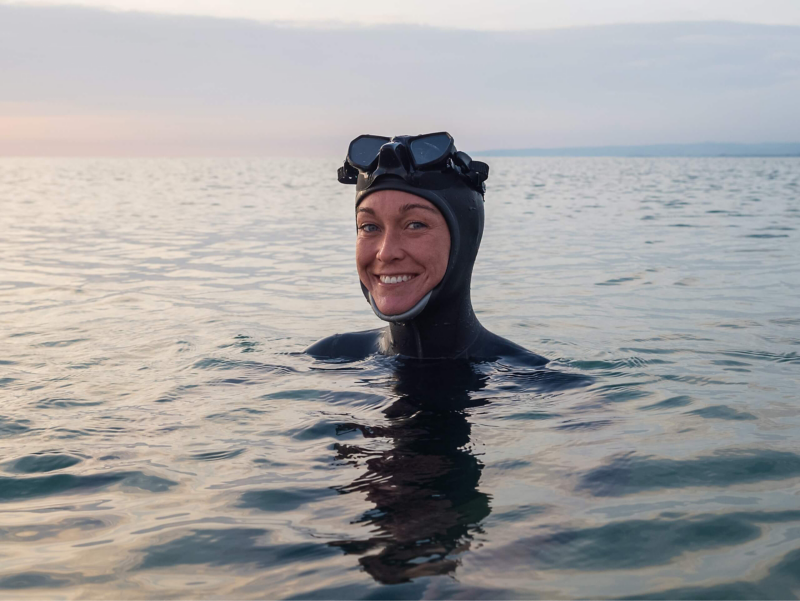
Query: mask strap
[(407, 316)]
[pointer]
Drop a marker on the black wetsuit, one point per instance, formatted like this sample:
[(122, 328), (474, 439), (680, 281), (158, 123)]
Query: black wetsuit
[(401, 339), (443, 325)]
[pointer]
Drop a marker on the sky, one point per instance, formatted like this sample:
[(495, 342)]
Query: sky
[(499, 15), (301, 79)]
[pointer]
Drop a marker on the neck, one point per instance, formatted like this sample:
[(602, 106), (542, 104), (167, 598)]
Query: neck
[(442, 330)]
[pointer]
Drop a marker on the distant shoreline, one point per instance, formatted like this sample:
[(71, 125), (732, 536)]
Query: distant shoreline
[(701, 150)]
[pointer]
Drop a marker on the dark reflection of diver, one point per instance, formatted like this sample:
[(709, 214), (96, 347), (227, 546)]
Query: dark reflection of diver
[(425, 488)]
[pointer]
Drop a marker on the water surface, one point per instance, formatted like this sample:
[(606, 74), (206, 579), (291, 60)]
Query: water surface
[(163, 436)]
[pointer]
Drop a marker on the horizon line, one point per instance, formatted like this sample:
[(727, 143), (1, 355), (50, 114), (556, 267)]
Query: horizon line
[(747, 150), (662, 149)]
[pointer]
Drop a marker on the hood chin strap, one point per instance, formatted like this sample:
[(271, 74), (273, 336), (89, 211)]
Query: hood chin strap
[(407, 316)]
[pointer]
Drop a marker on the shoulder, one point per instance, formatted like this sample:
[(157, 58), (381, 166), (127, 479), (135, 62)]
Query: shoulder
[(352, 345), (491, 346)]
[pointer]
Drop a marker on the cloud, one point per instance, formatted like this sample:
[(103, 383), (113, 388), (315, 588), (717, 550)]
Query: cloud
[(467, 14), (87, 81)]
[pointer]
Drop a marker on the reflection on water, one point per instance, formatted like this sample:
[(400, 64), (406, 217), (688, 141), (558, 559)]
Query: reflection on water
[(163, 436), (424, 487)]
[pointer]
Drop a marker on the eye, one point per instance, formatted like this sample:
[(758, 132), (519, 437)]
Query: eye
[(416, 225), (368, 228)]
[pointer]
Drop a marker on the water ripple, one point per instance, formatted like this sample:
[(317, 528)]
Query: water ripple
[(630, 474), (164, 436)]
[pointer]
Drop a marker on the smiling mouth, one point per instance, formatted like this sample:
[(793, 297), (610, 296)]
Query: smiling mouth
[(396, 279)]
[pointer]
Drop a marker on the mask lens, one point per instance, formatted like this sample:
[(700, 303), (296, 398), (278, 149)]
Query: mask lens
[(364, 150), (430, 149)]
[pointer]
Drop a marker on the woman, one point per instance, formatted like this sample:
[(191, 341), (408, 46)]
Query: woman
[(419, 214)]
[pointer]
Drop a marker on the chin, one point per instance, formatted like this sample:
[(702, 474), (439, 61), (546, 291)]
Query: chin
[(394, 306)]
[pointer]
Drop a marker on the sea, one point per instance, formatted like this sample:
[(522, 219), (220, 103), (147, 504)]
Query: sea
[(163, 435)]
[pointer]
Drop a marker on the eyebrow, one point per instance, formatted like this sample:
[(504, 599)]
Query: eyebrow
[(403, 209), (410, 206)]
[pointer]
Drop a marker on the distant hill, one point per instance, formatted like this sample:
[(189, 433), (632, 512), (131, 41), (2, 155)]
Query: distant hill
[(705, 149)]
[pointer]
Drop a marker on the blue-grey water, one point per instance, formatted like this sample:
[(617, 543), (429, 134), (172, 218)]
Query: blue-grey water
[(163, 436)]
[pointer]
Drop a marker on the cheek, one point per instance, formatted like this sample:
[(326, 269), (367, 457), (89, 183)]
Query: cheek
[(363, 255), (443, 256), (436, 258), (441, 265)]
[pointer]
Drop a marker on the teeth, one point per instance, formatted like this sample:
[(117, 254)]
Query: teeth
[(395, 279)]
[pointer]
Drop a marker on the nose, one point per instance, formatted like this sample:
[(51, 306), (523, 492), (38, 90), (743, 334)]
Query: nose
[(391, 246)]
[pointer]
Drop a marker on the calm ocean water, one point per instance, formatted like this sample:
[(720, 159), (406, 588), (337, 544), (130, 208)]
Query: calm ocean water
[(163, 437)]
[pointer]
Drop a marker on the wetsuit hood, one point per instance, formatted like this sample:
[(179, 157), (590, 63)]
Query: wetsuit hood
[(462, 209), (442, 324)]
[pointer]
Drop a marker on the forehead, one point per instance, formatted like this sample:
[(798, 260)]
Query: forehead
[(396, 201)]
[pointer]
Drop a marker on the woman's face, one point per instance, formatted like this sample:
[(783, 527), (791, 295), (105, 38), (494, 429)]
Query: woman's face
[(402, 248)]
